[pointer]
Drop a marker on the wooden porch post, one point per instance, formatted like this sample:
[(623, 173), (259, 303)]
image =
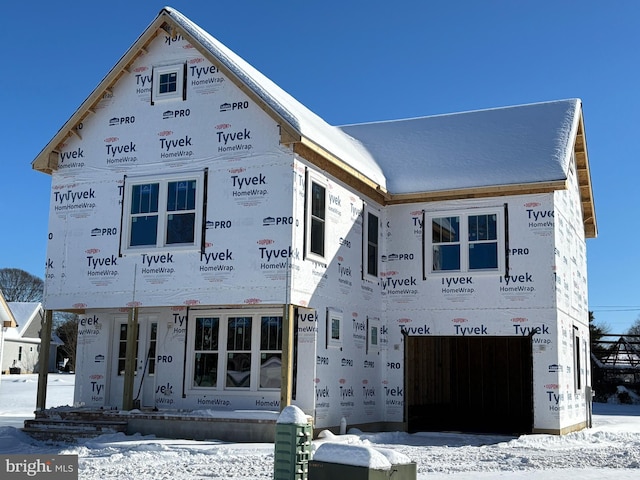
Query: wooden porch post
[(43, 363), (287, 357), (130, 364)]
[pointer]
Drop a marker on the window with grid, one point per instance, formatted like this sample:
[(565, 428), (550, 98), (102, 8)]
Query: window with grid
[(163, 212), (238, 367), (466, 241), (168, 83), (270, 351), (235, 350), (122, 348), (205, 368)]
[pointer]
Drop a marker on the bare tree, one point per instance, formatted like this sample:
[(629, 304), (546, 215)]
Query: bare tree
[(635, 328), (67, 330), (20, 286)]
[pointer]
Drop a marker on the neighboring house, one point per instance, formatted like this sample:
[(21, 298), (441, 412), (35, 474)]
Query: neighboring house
[(20, 339), (6, 321), (427, 273), (21, 342)]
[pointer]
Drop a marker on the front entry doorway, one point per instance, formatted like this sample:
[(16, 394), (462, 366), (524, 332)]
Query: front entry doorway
[(144, 380)]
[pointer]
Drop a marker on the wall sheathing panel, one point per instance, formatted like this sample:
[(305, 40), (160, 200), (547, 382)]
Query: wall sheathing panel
[(216, 128), (348, 378), (520, 303), (568, 398)]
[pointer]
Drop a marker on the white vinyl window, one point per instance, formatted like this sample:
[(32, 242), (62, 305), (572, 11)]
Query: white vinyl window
[(316, 215), (467, 241), (163, 212), (168, 83), (235, 351), (373, 335), (370, 244), (334, 328)]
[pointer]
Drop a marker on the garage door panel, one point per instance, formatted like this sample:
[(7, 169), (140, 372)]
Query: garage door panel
[(469, 384)]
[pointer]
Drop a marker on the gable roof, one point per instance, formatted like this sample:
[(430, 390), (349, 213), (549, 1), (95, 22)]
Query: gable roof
[(24, 314), (6, 316), (503, 151), (520, 149), (298, 124)]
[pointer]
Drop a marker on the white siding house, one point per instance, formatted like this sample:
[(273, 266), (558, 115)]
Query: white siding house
[(423, 273)]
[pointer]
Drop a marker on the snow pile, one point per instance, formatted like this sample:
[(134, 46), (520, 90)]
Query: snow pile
[(358, 456), (609, 450), (292, 415)]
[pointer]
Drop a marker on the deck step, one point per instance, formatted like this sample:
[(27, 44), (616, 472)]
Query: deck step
[(71, 428)]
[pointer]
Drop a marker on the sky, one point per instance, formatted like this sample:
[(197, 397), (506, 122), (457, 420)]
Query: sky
[(608, 450), (353, 62)]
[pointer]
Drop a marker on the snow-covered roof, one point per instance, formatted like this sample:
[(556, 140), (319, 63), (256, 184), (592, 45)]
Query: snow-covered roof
[(307, 123), (6, 316), (292, 113), (501, 146), (512, 146), (24, 313)]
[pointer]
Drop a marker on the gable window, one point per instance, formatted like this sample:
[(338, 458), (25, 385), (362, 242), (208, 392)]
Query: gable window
[(370, 245), (163, 212), (235, 351), (471, 241), (168, 83), (315, 229)]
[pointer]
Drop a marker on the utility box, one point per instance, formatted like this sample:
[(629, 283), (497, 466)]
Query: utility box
[(292, 446), (343, 461)]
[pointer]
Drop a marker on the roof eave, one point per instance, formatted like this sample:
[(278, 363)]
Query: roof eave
[(478, 192), (584, 181)]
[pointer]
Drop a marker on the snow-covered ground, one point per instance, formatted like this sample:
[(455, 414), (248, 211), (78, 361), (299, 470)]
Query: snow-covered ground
[(609, 450)]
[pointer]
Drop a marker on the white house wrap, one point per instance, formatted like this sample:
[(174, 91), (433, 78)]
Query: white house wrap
[(431, 271)]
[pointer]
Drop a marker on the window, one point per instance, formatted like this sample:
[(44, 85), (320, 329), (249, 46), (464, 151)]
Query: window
[(270, 352), (577, 367), (122, 348), (151, 353), (163, 212), (205, 347), (315, 231), (370, 245), (238, 352), (334, 328), (465, 242), (373, 335), (168, 83), (235, 351)]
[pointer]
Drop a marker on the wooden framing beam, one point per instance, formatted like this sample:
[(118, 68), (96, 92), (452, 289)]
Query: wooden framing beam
[(130, 363), (45, 348), (286, 384)]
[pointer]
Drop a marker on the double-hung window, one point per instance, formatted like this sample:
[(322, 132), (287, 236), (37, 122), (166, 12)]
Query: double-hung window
[(168, 83), (370, 245), (469, 241), (163, 212), (316, 215)]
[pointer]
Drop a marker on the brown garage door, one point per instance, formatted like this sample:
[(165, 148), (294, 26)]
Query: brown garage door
[(471, 384)]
